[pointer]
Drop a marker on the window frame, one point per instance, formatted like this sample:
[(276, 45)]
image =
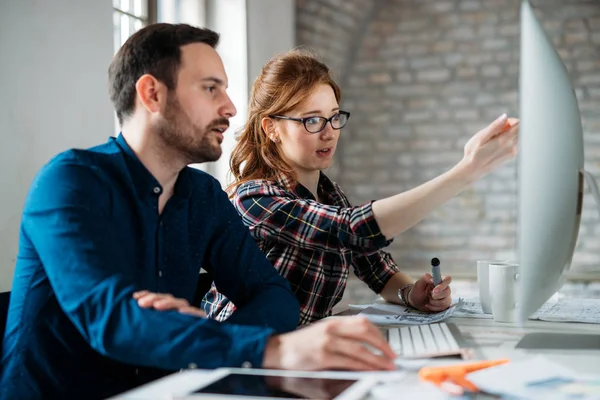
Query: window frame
[(150, 18)]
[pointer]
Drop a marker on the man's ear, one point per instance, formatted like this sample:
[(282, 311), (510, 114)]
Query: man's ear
[(150, 92), (269, 128)]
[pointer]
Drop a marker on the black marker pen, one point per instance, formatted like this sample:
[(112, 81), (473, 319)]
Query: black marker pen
[(435, 271)]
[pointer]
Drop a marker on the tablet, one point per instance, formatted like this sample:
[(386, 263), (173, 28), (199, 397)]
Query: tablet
[(274, 384)]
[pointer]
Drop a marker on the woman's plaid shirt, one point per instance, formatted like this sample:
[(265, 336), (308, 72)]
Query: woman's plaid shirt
[(311, 244)]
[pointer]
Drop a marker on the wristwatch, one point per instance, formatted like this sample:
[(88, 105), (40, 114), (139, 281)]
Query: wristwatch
[(404, 293)]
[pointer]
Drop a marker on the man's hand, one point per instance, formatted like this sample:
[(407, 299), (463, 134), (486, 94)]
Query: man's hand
[(337, 343), (425, 297), (164, 302)]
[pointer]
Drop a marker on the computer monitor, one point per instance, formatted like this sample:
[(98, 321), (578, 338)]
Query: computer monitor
[(550, 169)]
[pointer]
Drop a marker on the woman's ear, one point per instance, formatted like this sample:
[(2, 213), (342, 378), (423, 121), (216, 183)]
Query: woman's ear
[(269, 128)]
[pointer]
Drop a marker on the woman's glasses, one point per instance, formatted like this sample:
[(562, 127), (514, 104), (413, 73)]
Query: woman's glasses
[(317, 124)]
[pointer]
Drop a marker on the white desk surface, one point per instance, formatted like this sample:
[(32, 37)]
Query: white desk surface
[(494, 340)]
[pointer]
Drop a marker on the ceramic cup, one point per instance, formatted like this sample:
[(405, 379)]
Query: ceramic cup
[(503, 291)]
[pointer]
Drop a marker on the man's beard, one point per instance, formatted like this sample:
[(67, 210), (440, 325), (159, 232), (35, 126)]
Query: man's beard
[(190, 141)]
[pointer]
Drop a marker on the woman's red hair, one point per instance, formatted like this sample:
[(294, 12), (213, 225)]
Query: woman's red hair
[(284, 83)]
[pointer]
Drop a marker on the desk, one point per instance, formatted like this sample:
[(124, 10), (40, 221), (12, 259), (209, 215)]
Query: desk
[(493, 339), (498, 340)]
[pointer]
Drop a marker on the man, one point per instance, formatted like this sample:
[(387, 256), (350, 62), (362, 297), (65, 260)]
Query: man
[(102, 227)]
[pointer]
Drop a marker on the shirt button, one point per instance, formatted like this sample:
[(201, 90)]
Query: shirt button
[(192, 366), (246, 364), (156, 190), (160, 274)]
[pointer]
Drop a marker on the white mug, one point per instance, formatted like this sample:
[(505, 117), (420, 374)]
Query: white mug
[(483, 280), (503, 291)]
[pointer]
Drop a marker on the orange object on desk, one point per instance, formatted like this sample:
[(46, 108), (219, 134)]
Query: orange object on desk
[(456, 374)]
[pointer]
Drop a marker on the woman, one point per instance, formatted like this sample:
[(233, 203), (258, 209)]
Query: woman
[(303, 222)]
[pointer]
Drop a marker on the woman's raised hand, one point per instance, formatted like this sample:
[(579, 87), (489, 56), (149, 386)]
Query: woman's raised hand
[(491, 147)]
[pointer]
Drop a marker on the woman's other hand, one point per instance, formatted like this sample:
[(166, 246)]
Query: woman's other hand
[(491, 147)]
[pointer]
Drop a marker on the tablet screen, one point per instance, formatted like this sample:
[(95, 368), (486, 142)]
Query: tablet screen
[(283, 387)]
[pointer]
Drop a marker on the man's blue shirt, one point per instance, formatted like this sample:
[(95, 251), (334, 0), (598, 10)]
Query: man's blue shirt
[(91, 236)]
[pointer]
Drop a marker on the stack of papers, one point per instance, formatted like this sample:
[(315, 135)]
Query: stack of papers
[(536, 378), (561, 310), (394, 314)]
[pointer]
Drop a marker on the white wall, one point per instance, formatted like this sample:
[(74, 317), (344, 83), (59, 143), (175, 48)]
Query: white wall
[(271, 26), (182, 11), (252, 31), (228, 18), (54, 57)]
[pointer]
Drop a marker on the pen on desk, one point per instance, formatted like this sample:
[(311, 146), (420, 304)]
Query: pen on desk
[(435, 271)]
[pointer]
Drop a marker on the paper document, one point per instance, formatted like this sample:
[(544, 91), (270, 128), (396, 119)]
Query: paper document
[(562, 310), (570, 310), (536, 378), (471, 308), (393, 314)]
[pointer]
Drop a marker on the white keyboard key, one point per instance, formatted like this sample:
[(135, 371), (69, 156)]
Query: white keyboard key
[(452, 345), (417, 339), (407, 347), (428, 339), (440, 339), (423, 341), (394, 340)]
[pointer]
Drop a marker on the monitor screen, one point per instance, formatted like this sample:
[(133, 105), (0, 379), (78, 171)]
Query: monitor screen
[(550, 168)]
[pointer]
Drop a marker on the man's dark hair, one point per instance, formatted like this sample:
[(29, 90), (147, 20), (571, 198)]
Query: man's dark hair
[(156, 50)]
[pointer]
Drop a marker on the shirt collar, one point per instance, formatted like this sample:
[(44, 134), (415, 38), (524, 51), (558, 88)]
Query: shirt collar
[(326, 187), (144, 182), (282, 180), (331, 191)]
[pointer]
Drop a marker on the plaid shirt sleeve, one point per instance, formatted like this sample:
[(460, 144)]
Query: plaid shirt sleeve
[(375, 269), (272, 213)]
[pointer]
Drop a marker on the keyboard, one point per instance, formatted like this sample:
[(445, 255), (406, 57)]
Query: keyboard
[(426, 341)]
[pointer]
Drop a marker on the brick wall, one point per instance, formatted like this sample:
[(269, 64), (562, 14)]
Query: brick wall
[(420, 77)]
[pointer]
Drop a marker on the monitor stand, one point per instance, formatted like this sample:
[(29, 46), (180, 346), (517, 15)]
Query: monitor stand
[(565, 341), (593, 185), (559, 341)]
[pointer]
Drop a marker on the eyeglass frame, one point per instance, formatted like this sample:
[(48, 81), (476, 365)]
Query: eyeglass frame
[(303, 120)]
